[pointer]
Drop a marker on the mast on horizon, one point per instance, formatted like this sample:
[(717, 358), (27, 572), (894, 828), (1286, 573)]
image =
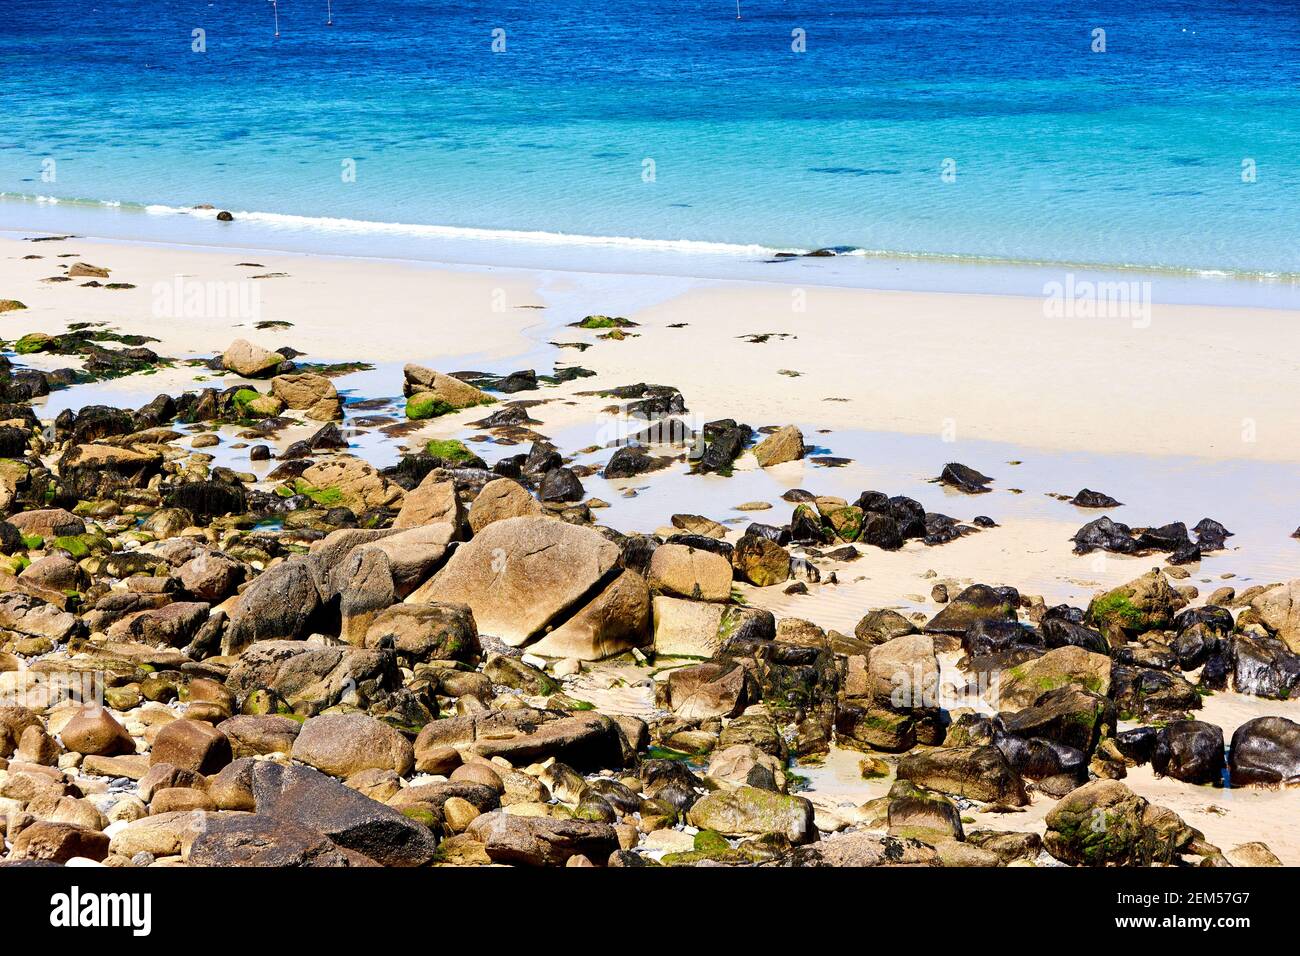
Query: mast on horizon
[(275, 7)]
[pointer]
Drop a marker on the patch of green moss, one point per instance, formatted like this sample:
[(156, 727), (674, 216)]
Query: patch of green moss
[(243, 397), (33, 541), (330, 497), (711, 841), (448, 449), (604, 322), (74, 545), (420, 407), (1117, 608), (32, 342)]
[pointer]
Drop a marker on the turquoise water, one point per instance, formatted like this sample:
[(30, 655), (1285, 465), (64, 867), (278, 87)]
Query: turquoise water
[(1063, 155)]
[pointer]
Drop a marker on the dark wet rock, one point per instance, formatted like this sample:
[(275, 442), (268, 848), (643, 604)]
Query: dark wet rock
[(307, 797), (158, 412), (1061, 766), (993, 636), (780, 535), (328, 438), (1171, 537), (1059, 633), (1067, 715), (725, 441), (910, 516), (1195, 644), (1264, 667), (941, 529), (511, 415), (1137, 745), (880, 531), (964, 478), (1211, 535), (1105, 535), (1189, 750), (1087, 498), (1266, 751), (637, 550), (983, 521), (1186, 554), (541, 458), (207, 499), (560, 484), (880, 626), (1214, 619), (659, 402), (979, 602), (256, 840), (629, 461), (1142, 693), (806, 527)]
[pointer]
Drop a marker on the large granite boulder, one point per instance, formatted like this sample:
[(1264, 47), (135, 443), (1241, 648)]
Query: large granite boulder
[(520, 575)]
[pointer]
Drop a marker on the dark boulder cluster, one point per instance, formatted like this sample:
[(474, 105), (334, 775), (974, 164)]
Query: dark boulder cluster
[(1106, 535)]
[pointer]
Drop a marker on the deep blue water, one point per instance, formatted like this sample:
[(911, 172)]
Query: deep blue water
[(1132, 156)]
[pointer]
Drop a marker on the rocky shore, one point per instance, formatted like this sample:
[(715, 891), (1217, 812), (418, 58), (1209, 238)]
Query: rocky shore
[(324, 662)]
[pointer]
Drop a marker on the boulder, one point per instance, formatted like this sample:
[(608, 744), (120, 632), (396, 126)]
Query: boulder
[(277, 605), (683, 571), (255, 735), (430, 394), (978, 773), (251, 361), (979, 602), (878, 627), (904, 671), (1189, 750), (1278, 609), (761, 561), (583, 740), (1104, 823), (433, 500), (191, 745), (502, 498), (312, 677), (343, 744), (687, 628), (1021, 686), (59, 842), (521, 574), (349, 481), (541, 841), (711, 689), (861, 848), (1143, 604), (751, 812), (48, 523), (616, 620), (309, 798), (427, 632), (964, 478), (784, 444), (315, 395), (1261, 666), (93, 730), (744, 765), (1265, 751), (256, 840)]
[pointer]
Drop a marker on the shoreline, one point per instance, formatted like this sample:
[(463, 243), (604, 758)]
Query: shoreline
[(466, 247)]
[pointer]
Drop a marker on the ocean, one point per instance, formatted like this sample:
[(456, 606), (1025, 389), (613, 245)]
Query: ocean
[(991, 131)]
